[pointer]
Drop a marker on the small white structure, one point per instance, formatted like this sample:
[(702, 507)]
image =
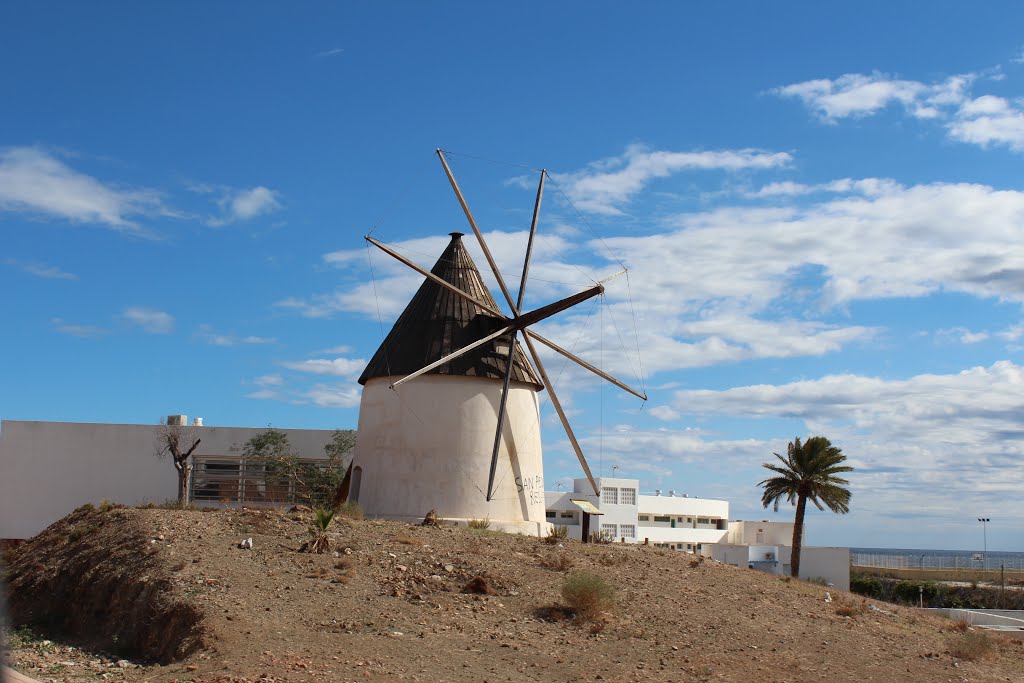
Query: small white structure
[(816, 562), (47, 469)]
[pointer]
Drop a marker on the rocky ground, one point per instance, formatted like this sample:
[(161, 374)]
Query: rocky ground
[(387, 603)]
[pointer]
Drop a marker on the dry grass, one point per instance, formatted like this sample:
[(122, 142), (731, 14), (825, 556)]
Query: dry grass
[(479, 524), (558, 561), (557, 535), (408, 540), (971, 646), (588, 595), (850, 609)]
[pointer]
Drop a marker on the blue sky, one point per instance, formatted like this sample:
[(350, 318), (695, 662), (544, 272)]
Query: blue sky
[(820, 208)]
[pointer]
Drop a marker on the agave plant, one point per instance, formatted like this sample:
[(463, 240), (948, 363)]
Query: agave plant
[(322, 519)]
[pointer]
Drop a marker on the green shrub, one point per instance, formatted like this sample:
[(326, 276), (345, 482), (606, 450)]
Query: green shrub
[(588, 595), (868, 586), (318, 530), (910, 591)]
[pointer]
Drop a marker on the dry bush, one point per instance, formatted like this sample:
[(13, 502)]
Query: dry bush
[(343, 565), (588, 595), (558, 561), (971, 646), (696, 561), (479, 524), (959, 625), (557, 534), (851, 610), (350, 510), (408, 540), (480, 586)]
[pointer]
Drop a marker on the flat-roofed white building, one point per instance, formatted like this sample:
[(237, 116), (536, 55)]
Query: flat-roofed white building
[(695, 525), (670, 521), (47, 469)]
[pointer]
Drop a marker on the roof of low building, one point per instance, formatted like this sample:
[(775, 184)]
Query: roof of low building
[(437, 322)]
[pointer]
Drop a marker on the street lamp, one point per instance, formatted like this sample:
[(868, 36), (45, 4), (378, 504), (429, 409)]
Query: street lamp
[(984, 535)]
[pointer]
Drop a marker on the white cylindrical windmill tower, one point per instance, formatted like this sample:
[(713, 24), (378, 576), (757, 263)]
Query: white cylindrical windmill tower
[(427, 445)]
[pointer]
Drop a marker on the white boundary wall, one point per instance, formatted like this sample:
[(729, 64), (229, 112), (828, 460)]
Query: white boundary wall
[(47, 469)]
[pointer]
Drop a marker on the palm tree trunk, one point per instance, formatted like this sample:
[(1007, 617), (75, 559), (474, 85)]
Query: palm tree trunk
[(798, 533)]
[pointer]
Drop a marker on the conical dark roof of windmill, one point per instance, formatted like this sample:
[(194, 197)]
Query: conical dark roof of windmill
[(437, 322)]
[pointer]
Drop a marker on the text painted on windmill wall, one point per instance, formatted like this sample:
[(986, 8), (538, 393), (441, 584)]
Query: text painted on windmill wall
[(533, 488)]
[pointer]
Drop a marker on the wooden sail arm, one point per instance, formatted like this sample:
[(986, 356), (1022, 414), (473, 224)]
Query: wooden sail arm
[(529, 243), (435, 279), (561, 413), (476, 231), (453, 355), (551, 309), (573, 357)]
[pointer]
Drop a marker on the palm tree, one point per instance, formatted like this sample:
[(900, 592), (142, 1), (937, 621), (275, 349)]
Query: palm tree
[(807, 472)]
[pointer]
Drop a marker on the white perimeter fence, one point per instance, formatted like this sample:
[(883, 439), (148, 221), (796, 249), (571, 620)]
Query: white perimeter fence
[(925, 561)]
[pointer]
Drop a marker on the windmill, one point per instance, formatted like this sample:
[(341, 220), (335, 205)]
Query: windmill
[(455, 323)]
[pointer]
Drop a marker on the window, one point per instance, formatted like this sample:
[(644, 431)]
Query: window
[(627, 497), (627, 530), (679, 519), (550, 514), (610, 496), (702, 520), (662, 519), (608, 530), (568, 515), (644, 518)]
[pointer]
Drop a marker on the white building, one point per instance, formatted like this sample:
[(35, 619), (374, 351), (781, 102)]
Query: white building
[(694, 525), (671, 521), (47, 469)]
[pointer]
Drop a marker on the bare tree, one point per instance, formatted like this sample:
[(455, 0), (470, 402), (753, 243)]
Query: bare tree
[(178, 441)]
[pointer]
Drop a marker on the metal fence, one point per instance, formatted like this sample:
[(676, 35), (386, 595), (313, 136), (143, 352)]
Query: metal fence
[(926, 561), (233, 479)]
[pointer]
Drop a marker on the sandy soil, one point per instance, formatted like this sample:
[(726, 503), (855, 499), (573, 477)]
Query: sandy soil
[(387, 604)]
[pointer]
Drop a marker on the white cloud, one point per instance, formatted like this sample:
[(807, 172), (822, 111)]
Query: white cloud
[(958, 434), (341, 367), (343, 348), (206, 333), (739, 283), (332, 52), (963, 335), (35, 182), (271, 380), (149, 319), (986, 120), (84, 331), (41, 269), (332, 396), (605, 186), (665, 413), (853, 95), (243, 204)]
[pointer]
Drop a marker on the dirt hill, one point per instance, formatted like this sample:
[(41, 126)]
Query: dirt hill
[(174, 594)]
